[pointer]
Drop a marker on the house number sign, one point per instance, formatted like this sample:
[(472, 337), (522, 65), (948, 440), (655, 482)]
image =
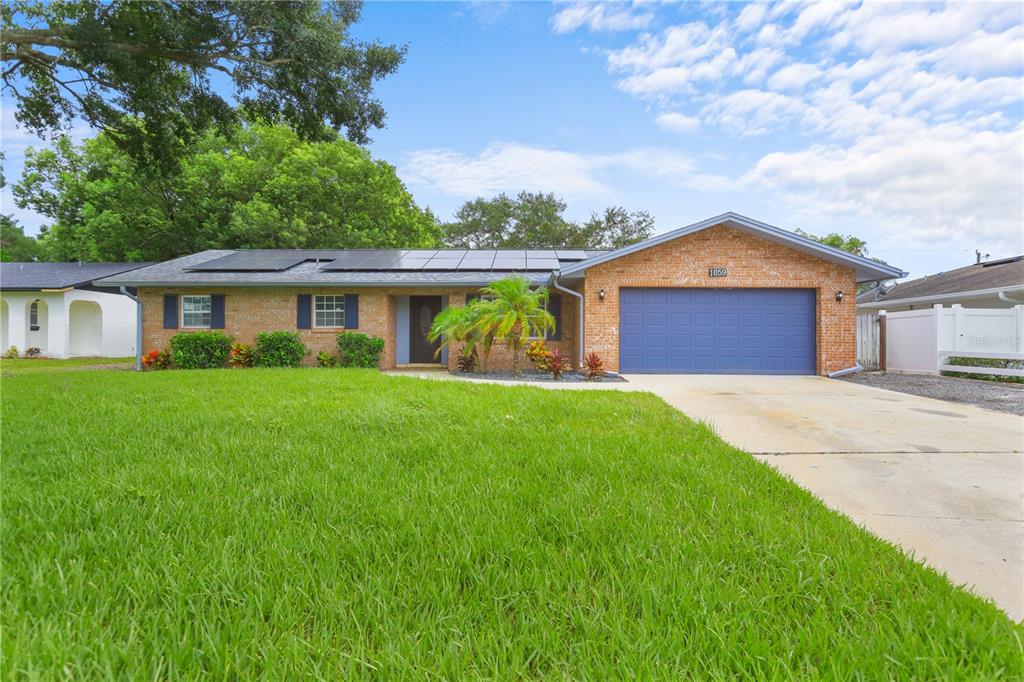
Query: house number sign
[(718, 272)]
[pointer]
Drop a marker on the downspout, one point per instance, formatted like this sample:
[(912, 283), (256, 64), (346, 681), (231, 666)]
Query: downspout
[(138, 327), (579, 297), (843, 372)]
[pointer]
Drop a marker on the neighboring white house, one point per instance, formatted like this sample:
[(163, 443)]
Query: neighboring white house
[(993, 284), (56, 308)]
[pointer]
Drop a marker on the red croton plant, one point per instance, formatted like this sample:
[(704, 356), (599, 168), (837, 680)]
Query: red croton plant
[(157, 359)]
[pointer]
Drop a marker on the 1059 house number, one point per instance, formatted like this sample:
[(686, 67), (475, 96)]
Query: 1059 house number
[(718, 272)]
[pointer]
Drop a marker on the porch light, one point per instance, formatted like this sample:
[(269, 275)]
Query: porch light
[(600, 294), (839, 296)]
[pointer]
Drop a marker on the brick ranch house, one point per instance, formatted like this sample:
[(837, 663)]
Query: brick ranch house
[(727, 295)]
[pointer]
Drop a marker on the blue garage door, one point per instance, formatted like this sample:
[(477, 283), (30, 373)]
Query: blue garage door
[(717, 331)]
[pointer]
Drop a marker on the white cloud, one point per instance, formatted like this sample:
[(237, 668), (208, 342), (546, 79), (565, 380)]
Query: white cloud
[(600, 16), (751, 17), (677, 123), (944, 182), (794, 77), (513, 167)]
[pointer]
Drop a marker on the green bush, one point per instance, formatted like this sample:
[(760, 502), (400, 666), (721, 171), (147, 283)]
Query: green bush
[(325, 359), (359, 350), (985, 362), (279, 349), (200, 350)]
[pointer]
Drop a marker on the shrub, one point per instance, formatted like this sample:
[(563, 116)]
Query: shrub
[(557, 365), (242, 355), (359, 350), (200, 350), (11, 353), (593, 366), (325, 359), (157, 359), (466, 362), (538, 354), (33, 352), (280, 349), (986, 362)]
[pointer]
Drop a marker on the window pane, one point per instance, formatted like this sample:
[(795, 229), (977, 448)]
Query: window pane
[(329, 311), (195, 311)]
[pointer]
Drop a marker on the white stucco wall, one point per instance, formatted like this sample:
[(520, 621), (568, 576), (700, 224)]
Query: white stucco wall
[(65, 322)]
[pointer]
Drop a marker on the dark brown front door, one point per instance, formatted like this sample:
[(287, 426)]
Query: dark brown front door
[(422, 310)]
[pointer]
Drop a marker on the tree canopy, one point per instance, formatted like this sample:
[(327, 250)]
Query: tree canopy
[(848, 243), (537, 220), (259, 187), (151, 74)]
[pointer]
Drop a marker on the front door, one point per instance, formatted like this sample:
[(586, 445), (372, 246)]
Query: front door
[(422, 310)]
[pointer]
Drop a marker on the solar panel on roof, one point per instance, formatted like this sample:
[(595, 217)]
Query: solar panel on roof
[(541, 264), (540, 253), (571, 255), (252, 261)]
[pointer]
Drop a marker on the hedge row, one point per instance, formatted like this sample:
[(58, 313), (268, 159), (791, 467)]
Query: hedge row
[(213, 349)]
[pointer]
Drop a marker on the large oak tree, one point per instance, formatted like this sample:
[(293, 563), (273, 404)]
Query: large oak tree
[(155, 75), (260, 187)]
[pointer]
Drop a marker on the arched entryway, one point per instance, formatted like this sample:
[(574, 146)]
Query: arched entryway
[(37, 325), (85, 319)]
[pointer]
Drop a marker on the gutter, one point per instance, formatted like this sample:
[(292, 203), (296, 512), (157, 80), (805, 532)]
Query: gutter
[(554, 282), (138, 327), (843, 372), (999, 292), (1003, 297)]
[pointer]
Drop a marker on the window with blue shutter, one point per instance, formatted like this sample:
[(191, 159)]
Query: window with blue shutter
[(170, 311), (351, 311), (303, 311), (216, 311), (555, 308)]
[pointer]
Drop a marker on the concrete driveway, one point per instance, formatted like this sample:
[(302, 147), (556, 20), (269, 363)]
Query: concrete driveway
[(943, 480)]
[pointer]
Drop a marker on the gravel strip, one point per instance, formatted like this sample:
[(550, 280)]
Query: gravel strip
[(567, 377), (993, 395)]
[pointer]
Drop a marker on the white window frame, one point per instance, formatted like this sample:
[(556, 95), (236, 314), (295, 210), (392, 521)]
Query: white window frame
[(337, 298), (209, 311), (33, 316)]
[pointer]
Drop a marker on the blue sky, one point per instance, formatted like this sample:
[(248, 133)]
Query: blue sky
[(900, 123)]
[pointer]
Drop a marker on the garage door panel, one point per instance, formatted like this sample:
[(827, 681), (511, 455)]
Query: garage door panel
[(754, 331)]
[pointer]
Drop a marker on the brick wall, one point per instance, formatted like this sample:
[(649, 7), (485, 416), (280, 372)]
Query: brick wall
[(752, 262), (249, 311)]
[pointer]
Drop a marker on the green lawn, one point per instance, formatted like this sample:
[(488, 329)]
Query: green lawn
[(341, 523), (47, 365)]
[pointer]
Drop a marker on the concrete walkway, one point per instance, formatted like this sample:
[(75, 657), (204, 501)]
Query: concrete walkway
[(943, 480)]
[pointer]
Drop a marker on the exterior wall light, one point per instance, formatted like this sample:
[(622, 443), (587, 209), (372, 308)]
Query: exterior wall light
[(839, 296), (601, 294)]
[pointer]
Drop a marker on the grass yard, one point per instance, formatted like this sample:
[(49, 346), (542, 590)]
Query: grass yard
[(341, 523)]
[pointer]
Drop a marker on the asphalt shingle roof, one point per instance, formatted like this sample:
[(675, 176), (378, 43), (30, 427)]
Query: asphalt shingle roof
[(993, 275), (35, 276), (180, 272)]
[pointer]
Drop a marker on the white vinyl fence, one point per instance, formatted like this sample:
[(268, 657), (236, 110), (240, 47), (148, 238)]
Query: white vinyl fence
[(923, 340)]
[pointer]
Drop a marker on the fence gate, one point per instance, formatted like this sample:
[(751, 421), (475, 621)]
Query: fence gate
[(868, 341)]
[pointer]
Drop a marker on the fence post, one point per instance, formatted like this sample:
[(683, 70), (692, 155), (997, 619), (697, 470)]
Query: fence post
[(881, 340), (1018, 325), (958, 327), (937, 322)]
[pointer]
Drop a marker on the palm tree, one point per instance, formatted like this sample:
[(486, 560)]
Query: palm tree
[(512, 312), (458, 324)]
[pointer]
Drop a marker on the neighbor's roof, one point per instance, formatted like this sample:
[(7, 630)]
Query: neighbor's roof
[(36, 276), (1006, 273), (358, 267), (867, 270)]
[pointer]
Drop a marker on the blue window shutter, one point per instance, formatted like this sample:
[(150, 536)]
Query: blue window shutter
[(170, 311), (351, 311), (555, 308), (216, 311), (304, 311)]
